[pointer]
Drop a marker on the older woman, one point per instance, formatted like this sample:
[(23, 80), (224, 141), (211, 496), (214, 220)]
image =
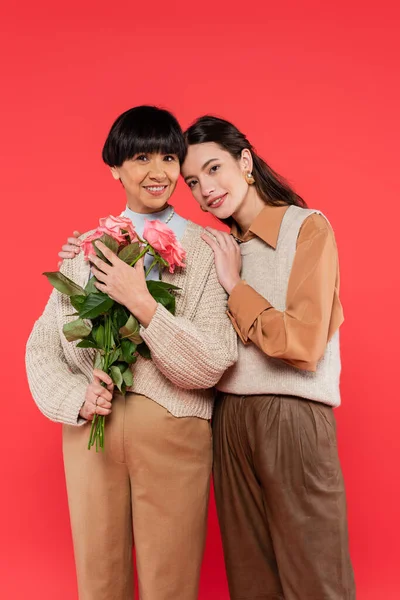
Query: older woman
[(154, 474)]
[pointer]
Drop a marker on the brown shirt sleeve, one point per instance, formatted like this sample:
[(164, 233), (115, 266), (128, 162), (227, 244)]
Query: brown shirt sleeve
[(299, 334)]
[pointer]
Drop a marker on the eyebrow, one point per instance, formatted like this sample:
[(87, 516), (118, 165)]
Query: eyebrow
[(203, 167)]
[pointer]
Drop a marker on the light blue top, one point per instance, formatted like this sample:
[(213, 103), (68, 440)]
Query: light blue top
[(177, 224)]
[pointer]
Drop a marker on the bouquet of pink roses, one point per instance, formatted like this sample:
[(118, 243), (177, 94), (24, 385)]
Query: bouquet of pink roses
[(104, 324)]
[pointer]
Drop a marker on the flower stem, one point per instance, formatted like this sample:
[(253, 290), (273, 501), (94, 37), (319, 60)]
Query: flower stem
[(153, 264), (143, 252), (96, 436)]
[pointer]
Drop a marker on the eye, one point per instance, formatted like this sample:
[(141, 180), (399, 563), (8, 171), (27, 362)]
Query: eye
[(142, 157), (170, 157), (214, 168), (192, 183)]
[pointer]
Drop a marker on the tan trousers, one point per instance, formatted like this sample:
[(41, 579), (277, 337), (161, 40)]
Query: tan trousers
[(153, 478)]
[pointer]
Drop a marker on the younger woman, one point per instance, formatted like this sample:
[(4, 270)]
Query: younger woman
[(278, 483)]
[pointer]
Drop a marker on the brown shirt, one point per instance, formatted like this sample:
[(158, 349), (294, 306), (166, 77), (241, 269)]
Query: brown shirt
[(313, 309)]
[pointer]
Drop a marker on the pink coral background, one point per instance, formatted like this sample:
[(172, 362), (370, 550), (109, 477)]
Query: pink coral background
[(315, 86)]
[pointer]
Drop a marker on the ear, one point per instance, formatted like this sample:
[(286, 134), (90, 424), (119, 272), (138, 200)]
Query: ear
[(246, 160), (115, 172)]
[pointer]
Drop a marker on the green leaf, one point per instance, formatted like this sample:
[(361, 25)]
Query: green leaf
[(87, 344), (90, 287), (155, 286), (98, 361), (169, 302), (95, 305), (128, 378), (114, 356), (77, 301), (160, 290), (76, 330), (120, 316), (131, 330), (129, 253), (116, 376), (108, 241), (144, 350), (63, 284), (166, 299), (128, 349), (98, 335)]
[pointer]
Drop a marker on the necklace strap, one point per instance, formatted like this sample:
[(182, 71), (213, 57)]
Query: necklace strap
[(237, 240), (171, 214)]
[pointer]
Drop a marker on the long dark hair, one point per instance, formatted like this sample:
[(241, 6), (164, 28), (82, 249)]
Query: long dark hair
[(272, 188)]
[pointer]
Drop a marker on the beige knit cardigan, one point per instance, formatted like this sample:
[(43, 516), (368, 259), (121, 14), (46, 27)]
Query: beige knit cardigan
[(190, 351)]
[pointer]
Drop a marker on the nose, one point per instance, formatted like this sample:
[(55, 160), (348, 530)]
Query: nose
[(207, 188), (157, 171)]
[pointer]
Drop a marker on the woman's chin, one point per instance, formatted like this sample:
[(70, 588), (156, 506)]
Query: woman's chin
[(222, 213)]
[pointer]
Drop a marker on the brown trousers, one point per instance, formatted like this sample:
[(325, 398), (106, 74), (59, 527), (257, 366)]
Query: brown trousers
[(150, 485), (280, 499)]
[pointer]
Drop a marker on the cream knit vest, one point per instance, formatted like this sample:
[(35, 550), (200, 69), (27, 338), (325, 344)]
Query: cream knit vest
[(267, 271)]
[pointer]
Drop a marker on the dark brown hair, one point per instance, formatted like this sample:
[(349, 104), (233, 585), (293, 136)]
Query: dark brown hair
[(272, 187)]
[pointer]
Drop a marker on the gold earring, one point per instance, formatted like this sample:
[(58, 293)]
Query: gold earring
[(249, 178)]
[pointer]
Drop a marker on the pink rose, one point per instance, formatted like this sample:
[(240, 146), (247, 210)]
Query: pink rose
[(164, 241), (113, 226), (87, 245)]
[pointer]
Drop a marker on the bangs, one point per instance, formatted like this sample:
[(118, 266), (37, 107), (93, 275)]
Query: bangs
[(159, 140), (143, 130)]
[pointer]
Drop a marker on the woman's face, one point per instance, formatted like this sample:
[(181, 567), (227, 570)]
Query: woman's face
[(149, 180), (216, 179)]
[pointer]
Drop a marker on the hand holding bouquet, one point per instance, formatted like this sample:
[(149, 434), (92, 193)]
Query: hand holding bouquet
[(104, 321)]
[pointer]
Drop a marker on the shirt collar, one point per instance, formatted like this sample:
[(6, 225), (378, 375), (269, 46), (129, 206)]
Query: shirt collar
[(266, 225), (138, 219), (142, 216)]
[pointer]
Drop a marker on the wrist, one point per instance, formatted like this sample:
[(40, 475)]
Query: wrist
[(144, 310), (232, 283)]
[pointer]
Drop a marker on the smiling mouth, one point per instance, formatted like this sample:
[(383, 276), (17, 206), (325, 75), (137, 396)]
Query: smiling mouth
[(155, 190), (216, 201)]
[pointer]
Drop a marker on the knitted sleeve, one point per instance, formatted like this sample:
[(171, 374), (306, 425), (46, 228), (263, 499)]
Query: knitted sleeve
[(194, 354), (58, 393)]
